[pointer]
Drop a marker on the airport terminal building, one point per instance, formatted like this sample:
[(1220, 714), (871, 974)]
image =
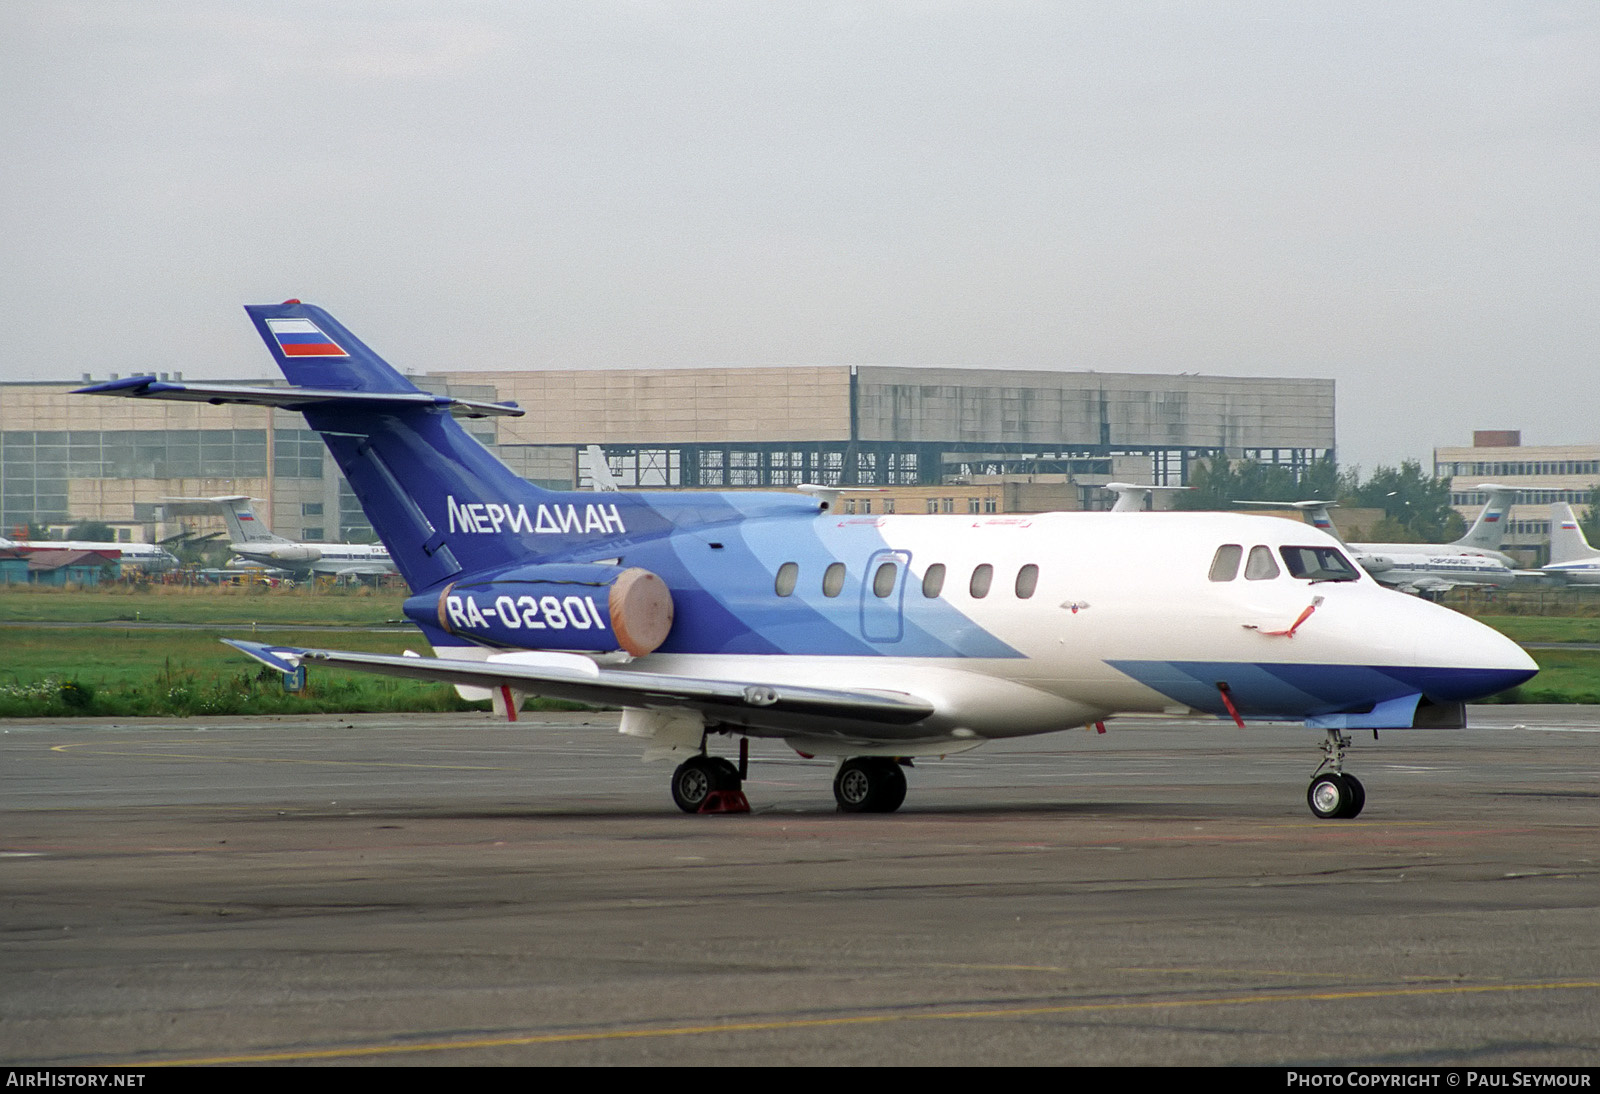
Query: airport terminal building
[(66, 458), (1541, 473)]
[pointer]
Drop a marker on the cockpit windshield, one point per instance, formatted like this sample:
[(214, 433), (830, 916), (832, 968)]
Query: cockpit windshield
[(1318, 564)]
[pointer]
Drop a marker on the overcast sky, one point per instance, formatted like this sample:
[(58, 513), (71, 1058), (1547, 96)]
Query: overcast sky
[(1400, 196)]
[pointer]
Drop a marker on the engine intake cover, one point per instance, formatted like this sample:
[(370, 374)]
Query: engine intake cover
[(554, 606)]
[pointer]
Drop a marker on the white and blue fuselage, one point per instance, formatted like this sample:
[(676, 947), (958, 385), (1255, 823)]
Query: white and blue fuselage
[(771, 615)]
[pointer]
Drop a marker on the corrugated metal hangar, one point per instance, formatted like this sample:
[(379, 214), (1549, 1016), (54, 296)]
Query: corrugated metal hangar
[(66, 458)]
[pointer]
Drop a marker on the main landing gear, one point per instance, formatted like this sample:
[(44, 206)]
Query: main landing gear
[(869, 784), (863, 784), (1333, 794), (698, 778)]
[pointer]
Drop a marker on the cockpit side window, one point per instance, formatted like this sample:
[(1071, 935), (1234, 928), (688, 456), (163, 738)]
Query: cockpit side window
[(1225, 566), (1260, 567), (1319, 564)]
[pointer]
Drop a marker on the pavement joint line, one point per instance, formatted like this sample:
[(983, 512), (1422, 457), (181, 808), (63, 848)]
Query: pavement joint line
[(85, 749), (963, 1014)]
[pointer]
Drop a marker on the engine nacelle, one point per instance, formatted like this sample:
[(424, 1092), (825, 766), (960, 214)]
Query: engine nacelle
[(555, 606), (1375, 564), (295, 552)]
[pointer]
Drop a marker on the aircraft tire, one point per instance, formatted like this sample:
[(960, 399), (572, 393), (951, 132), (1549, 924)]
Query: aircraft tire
[(1358, 798), (696, 778), (1334, 796), (894, 788), (869, 784)]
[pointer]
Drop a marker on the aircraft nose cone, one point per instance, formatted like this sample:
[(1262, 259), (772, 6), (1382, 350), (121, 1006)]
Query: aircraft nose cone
[(1474, 661)]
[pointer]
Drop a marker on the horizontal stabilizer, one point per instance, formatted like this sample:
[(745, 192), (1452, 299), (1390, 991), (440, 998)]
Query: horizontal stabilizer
[(293, 398)]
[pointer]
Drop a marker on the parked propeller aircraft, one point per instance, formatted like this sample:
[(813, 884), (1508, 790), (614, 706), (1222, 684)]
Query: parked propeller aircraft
[(873, 639), (256, 545), (1474, 559), (1572, 560)]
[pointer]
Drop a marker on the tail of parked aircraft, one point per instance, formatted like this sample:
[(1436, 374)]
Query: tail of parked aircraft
[(1489, 530), (441, 502), (1567, 541), (236, 511)]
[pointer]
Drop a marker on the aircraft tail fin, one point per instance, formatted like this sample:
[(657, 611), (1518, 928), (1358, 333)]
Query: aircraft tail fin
[(236, 512), (1489, 530), (1567, 541), (1131, 495), (600, 471), (1314, 512), (315, 350), (439, 500)]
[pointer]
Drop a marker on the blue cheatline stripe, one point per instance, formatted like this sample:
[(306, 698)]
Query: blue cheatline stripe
[(1302, 690)]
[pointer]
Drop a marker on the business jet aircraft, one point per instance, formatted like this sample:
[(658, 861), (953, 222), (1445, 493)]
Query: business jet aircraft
[(151, 557), (1429, 567), (871, 639), (254, 543), (1571, 558)]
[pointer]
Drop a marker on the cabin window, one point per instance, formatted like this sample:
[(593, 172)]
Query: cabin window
[(883, 580), (788, 574), (1318, 564), (1027, 581), (1260, 566), (833, 579), (1225, 566), (982, 578), (933, 581)]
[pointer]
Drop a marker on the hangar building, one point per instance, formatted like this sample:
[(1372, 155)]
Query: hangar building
[(65, 458)]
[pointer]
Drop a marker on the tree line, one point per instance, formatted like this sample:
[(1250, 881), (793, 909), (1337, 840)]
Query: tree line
[(1416, 506)]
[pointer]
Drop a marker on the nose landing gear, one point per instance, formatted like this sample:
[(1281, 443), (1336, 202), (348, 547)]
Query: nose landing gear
[(1333, 794)]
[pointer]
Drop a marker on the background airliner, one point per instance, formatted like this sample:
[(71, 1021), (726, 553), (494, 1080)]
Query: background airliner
[(151, 557), (254, 543), (1474, 559), (872, 639), (1572, 560)]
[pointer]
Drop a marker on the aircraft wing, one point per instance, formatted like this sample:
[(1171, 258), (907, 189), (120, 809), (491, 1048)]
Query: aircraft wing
[(353, 569), (783, 709), (1435, 584)]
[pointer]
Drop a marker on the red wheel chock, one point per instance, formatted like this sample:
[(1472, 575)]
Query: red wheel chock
[(725, 801)]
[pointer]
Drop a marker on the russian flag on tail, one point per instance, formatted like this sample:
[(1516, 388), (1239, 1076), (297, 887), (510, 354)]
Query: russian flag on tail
[(301, 338)]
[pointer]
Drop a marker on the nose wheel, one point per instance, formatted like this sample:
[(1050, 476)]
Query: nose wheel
[(1334, 795)]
